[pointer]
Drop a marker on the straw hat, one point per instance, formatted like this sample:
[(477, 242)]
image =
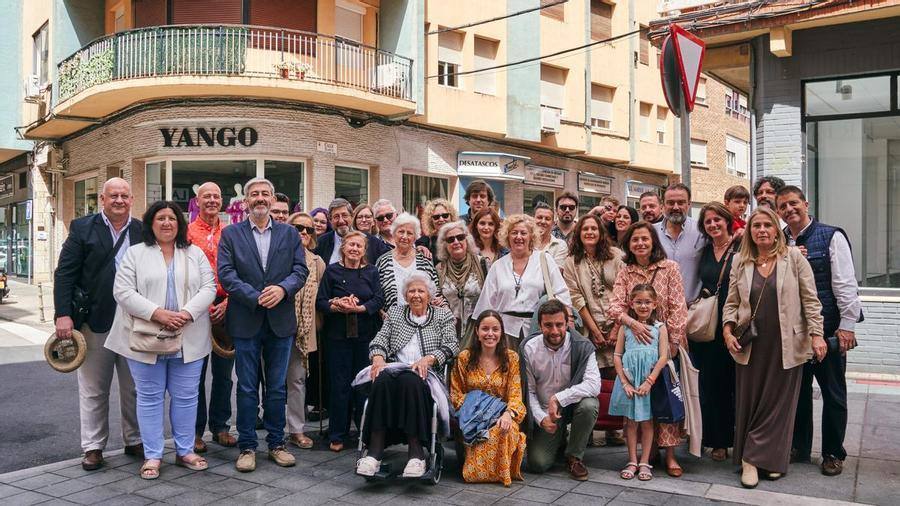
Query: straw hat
[(222, 345), (65, 354)]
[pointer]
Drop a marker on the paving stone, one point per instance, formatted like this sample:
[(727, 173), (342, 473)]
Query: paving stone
[(878, 482), (295, 483), (334, 488), (8, 490), (572, 499), (107, 476), (688, 500), (230, 486), (261, 495), (128, 500), (94, 495), (194, 498), (161, 490), (26, 499), (131, 484), (430, 492), (553, 483), (470, 498), (57, 502), (534, 494), (303, 499), (598, 489), (65, 488), (642, 496), (39, 481), (73, 471), (371, 495), (510, 501), (199, 480)]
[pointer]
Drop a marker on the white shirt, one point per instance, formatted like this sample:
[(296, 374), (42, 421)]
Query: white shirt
[(336, 252), (843, 278), (116, 235), (263, 238), (685, 250), (499, 292), (549, 372), (412, 352), (400, 276)]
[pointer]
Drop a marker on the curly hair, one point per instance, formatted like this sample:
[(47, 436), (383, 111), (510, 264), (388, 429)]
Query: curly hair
[(511, 222), (473, 226), (442, 253), (428, 223)]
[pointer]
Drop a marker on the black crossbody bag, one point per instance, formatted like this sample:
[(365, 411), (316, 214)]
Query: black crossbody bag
[(81, 298)]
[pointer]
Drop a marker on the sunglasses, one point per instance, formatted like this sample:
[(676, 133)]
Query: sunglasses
[(385, 217), (609, 208), (441, 216), (308, 230), (566, 208), (456, 238)]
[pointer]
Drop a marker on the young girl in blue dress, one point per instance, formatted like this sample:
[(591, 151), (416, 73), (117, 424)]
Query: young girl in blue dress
[(637, 367)]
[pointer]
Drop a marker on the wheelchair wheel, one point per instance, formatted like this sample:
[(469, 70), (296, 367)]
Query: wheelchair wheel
[(438, 464)]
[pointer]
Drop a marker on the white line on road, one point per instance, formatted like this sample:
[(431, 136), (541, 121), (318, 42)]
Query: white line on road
[(30, 334)]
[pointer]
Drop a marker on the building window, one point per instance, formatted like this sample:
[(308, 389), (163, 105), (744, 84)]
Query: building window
[(556, 11), (531, 196), (85, 197), (40, 54), (644, 54), (23, 180), (662, 116), (417, 190), (701, 92), (736, 105), (287, 176), (485, 57), (698, 152), (848, 96), (601, 20), (348, 29), (602, 106), (553, 87), (352, 184), (449, 58), (737, 156), (644, 124)]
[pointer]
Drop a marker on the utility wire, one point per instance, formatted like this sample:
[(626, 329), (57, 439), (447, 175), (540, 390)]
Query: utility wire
[(498, 18), (539, 58)]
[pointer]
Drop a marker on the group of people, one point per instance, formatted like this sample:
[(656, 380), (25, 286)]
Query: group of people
[(506, 326)]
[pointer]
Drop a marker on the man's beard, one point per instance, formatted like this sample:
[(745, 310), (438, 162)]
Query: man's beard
[(770, 203), (342, 230), (259, 212), (677, 217), (566, 219)]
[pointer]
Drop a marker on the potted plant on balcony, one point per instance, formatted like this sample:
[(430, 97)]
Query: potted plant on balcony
[(301, 70), (285, 68)]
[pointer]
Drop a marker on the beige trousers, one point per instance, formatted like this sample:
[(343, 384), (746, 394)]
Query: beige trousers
[(296, 393), (94, 382)]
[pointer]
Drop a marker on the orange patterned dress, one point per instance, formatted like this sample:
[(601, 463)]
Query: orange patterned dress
[(499, 459)]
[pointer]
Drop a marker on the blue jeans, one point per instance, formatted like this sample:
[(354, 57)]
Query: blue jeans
[(151, 382), (275, 352), (219, 395), (344, 359)]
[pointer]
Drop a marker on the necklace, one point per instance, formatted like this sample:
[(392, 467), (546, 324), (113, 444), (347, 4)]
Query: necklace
[(763, 262), (517, 279)]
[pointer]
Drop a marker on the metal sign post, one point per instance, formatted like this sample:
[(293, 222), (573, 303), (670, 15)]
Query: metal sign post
[(685, 118)]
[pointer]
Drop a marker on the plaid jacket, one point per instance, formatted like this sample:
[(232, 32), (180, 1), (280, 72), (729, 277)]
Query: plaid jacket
[(437, 336)]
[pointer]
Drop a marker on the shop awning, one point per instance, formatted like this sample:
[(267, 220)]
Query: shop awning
[(489, 165)]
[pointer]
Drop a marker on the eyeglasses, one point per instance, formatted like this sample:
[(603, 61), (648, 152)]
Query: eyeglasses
[(456, 238), (279, 212), (567, 207), (309, 230), (440, 216), (385, 217)]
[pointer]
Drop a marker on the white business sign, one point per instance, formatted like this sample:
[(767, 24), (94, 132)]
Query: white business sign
[(636, 188), (592, 183), (491, 165), (545, 176)]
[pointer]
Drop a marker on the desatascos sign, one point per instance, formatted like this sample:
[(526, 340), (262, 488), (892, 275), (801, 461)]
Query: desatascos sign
[(225, 137)]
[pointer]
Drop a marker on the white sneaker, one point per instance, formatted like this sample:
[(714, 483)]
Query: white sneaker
[(367, 466), (415, 468)]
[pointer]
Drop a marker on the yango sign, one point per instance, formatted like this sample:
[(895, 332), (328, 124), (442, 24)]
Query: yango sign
[(225, 137)]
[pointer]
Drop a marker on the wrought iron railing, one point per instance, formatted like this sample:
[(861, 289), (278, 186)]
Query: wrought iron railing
[(233, 50)]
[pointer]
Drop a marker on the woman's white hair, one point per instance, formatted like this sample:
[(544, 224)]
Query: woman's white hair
[(442, 252), (407, 219), (419, 277)]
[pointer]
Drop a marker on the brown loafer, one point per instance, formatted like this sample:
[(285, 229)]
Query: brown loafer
[(281, 457), (225, 438), (135, 450), (92, 460), (832, 466), (576, 468), (199, 445)]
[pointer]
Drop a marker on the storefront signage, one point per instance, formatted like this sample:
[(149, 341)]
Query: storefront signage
[(636, 188), (592, 183), (210, 137), (491, 165), (545, 176), (6, 186)]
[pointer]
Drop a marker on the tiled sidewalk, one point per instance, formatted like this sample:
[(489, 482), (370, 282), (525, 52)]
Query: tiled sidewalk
[(871, 475)]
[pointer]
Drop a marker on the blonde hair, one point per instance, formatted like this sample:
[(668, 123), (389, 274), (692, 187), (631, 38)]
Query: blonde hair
[(428, 223), (511, 222), (312, 237), (749, 251)]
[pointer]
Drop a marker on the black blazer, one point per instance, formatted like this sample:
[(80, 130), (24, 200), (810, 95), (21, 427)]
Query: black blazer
[(88, 245), (375, 248)]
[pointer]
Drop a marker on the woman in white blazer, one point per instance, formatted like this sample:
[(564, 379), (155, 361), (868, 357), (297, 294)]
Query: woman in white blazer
[(150, 285)]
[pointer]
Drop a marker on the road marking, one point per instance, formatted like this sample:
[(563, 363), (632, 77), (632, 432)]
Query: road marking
[(30, 334)]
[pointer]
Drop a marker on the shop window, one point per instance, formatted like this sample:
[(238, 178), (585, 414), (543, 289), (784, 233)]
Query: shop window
[(602, 106), (644, 124), (351, 183), (449, 58), (155, 177), (417, 190), (662, 117), (230, 175), (698, 152), (21, 247), (553, 87), (23, 180), (288, 179), (554, 9), (86, 200), (601, 20), (40, 54), (586, 203), (531, 196), (848, 96), (737, 156), (485, 57)]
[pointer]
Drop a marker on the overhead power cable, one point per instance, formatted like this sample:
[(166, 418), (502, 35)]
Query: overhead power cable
[(539, 58), (498, 18)]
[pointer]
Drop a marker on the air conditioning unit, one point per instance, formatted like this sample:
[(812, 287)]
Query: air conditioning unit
[(33, 92), (550, 120), (389, 75)]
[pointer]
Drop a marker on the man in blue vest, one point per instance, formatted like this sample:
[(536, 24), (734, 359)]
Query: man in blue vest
[(828, 251)]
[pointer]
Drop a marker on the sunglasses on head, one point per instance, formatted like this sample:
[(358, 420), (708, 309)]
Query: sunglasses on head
[(301, 228), (441, 216), (456, 238), (567, 207), (383, 217)]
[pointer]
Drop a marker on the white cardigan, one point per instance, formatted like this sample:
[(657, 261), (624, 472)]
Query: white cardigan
[(140, 288)]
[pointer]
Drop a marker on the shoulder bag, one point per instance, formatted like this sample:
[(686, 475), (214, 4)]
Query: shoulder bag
[(151, 337), (703, 313), (545, 271), (748, 332), (81, 298)]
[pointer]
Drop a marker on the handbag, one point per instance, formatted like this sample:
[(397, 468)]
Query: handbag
[(81, 298), (748, 332), (151, 337), (703, 313), (666, 399), (545, 271)]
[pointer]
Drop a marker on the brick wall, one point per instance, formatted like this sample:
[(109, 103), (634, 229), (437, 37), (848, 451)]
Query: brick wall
[(879, 339)]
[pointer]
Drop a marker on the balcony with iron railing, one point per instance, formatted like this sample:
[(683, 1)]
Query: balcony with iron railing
[(126, 68)]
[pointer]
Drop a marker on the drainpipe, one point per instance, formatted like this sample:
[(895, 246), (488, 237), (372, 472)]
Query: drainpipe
[(588, 86), (751, 99), (632, 63)]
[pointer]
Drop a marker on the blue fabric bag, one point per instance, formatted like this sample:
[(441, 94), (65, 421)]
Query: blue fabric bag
[(666, 400), (478, 413)]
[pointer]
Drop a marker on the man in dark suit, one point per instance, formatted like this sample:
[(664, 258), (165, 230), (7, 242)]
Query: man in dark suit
[(329, 244), (262, 266), (85, 272)]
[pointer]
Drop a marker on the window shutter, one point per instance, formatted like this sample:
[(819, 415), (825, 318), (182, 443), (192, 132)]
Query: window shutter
[(185, 12), (601, 20), (644, 56), (557, 12), (485, 56), (553, 87), (601, 103), (149, 13), (698, 152), (290, 14), (450, 47)]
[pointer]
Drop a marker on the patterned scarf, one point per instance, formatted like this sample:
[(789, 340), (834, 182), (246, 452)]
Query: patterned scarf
[(458, 273)]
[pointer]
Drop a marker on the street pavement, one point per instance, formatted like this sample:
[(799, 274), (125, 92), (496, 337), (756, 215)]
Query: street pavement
[(41, 457)]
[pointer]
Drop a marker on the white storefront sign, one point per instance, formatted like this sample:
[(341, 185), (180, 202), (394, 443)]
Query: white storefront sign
[(636, 188), (491, 165), (545, 176), (592, 183)]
